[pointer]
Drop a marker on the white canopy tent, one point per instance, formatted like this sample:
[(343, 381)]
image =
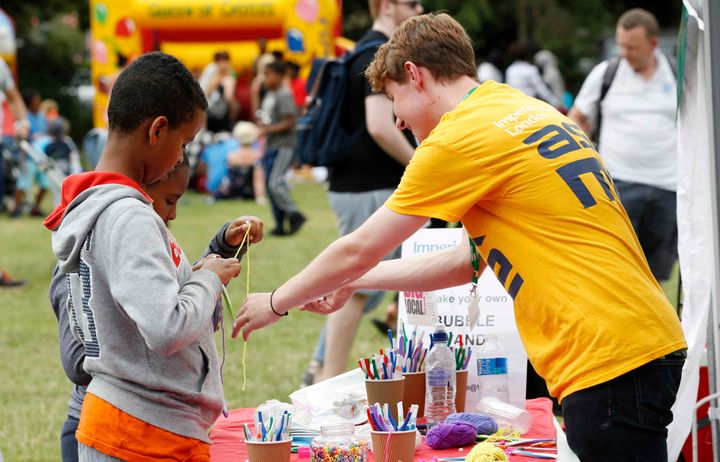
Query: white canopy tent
[(698, 202)]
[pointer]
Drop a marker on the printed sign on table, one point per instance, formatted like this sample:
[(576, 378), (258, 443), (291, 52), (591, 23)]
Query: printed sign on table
[(420, 308), (496, 315)]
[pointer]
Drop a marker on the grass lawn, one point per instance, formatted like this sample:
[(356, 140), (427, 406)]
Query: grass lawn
[(33, 388)]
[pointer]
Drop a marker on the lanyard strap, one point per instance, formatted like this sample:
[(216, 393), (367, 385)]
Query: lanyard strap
[(470, 92), (475, 264)]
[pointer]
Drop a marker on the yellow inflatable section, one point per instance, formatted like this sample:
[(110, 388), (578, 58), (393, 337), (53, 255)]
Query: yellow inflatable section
[(194, 30)]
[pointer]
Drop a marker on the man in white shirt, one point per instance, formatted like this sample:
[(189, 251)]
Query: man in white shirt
[(637, 134)]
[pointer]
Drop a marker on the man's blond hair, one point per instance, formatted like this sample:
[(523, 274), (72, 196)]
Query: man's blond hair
[(637, 17), (436, 42), (374, 6)]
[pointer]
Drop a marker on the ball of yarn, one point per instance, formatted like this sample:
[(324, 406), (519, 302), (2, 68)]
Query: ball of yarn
[(484, 424), (486, 452), (451, 435)]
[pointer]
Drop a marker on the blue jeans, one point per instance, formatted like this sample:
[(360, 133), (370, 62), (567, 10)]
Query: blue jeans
[(68, 443), (653, 214), (625, 419)]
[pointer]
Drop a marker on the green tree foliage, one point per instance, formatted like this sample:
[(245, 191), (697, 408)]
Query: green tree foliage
[(51, 51)]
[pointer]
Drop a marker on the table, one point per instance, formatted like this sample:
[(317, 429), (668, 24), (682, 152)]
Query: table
[(229, 444)]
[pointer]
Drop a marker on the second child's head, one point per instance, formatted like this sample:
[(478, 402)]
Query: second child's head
[(157, 101), (167, 192), (274, 73)]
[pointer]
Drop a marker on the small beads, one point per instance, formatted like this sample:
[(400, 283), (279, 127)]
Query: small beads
[(333, 452)]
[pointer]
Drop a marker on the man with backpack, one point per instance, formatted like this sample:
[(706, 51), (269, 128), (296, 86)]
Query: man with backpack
[(365, 177), (631, 102)]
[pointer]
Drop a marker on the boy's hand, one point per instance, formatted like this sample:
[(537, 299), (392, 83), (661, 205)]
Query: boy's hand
[(237, 228), (225, 268), (202, 261)]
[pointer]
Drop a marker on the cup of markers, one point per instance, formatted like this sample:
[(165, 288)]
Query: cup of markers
[(384, 382), (393, 439), (271, 441), (411, 355), (462, 361)]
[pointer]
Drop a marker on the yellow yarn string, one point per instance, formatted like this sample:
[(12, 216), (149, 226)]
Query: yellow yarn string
[(486, 452), (245, 239), (503, 434)]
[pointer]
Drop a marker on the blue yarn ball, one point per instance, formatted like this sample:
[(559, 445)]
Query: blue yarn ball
[(451, 435), (484, 424)]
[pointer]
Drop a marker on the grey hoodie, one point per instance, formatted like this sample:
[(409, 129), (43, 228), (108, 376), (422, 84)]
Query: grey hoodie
[(72, 351), (144, 316)]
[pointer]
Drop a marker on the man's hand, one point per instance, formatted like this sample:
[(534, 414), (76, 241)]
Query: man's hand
[(225, 268), (254, 314), (236, 230), (330, 303)]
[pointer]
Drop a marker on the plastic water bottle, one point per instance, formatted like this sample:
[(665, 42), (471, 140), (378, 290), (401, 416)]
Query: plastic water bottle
[(439, 379), (492, 370)]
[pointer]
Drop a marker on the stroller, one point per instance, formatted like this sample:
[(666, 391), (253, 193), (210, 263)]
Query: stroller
[(47, 165)]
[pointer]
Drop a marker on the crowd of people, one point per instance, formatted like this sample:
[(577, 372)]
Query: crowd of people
[(428, 150)]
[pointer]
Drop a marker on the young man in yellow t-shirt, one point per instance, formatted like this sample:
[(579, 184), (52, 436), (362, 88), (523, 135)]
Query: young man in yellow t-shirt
[(542, 212)]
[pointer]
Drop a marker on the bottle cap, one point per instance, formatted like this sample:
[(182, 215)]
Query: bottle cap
[(439, 335)]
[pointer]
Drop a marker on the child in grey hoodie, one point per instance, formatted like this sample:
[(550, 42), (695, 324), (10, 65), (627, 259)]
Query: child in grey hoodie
[(165, 195), (142, 313)]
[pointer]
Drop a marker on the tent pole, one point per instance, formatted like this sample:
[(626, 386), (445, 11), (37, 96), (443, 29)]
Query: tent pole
[(711, 16)]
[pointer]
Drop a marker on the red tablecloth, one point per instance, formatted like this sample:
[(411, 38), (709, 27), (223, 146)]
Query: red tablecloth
[(229, 442)]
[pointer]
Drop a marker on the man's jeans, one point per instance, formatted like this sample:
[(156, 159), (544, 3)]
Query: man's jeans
[(653, 213), (625, 419)]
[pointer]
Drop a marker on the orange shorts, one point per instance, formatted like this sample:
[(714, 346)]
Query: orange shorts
[(118, 434)]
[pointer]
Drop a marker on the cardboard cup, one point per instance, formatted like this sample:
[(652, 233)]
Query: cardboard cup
[(385, 391), (461, 378), (401, 447), (414, 392), (268, 451)]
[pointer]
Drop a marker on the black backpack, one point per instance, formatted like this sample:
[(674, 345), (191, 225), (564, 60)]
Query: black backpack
[(322, 137), (608, 77)]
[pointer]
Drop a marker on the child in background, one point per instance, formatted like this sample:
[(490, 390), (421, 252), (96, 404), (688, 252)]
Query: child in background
[(245, 178), (277, 122), (165, 195), (61, 147), (49, 109), (30, 173), (142, 313)]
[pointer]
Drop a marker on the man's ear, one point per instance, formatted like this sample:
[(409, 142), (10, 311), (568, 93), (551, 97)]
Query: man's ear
[(157, 128), (414, 76)]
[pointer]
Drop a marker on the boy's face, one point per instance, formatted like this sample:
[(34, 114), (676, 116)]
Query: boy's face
[(273, 80), (170, 145), (165, 194)]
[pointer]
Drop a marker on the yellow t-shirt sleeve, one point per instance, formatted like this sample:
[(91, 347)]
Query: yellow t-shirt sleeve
[(439, 183)]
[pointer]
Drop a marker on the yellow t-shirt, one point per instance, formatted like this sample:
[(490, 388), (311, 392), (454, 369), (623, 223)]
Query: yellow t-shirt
[(544, 214)]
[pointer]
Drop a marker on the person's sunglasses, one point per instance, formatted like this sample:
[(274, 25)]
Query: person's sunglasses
[(411, 3)]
